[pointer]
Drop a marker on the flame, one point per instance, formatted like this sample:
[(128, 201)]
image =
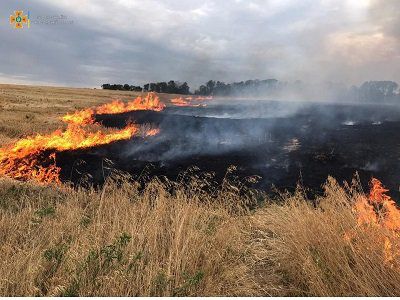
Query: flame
[(24, 159), (365, 211), (150, 102), (179, 101), (86, 116), (34, 158), (80, 117), (153, 132), (379, 209), (387, 213), (184, 102), (202, 98)]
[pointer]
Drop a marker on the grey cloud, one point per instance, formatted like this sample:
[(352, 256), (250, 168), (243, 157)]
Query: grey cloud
[(385, 14), (140, 41)]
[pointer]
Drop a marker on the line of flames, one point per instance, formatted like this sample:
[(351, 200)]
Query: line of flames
[(24, 159), (180, 101), (86, 116)]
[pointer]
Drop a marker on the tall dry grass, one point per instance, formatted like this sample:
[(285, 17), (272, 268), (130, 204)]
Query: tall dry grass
[(321, 250), (183, 241), (119, 241)]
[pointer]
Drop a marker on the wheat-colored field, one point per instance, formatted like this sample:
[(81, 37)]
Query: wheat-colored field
[(163, 241), (26, 110)]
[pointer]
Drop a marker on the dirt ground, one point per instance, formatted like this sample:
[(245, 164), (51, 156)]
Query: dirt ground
[(25, 110)]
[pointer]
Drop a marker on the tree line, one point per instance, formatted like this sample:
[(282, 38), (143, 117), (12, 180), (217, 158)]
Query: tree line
[(369, 91), (170, 87)]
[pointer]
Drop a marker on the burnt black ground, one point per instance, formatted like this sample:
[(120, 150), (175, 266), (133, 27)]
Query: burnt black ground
[(282, 142)]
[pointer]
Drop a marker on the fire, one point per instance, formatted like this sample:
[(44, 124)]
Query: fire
[(365, 211), (201, 98), (179, 102), (86, 116), (379, 209), (184, 102), (34, 158), (24, 159), (150, 102), (153, 132), (81, 117)]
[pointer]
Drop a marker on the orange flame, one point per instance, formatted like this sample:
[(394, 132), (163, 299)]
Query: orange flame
[(379, 209), (27, 159), (86, 116), (184, 102), (22, 160), (153, 132), (365, 211), (150, 102), (80, 117), (202, 98)]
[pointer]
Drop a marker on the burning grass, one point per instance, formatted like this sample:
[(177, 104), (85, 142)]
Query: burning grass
[(33, 158), (86, 116), (173, 239), (22, 159), (191, 101), (120, 241)]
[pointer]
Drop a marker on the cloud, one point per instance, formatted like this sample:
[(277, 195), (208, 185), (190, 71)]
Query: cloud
[(140, 41), (385, 16)]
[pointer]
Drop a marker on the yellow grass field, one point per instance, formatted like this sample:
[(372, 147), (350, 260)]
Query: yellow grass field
[(30, 109), (120, 241)]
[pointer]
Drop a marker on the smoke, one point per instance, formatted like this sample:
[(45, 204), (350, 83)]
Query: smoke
[(242, 127)]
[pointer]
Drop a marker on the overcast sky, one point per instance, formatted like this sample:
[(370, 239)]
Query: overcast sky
[(121, 41)]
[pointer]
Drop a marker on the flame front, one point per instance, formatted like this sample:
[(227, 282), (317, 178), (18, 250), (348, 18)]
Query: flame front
[(202, 98), (81, 117), (180, 101), (150, 102), (22, 160), (86, 116)]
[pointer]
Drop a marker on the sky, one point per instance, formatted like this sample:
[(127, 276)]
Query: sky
[(135, 42)]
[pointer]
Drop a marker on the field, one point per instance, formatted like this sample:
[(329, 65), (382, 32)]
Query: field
[(22, 108), (176, 239)]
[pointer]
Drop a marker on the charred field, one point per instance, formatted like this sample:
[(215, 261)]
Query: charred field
[(185, 222), (281, 143)]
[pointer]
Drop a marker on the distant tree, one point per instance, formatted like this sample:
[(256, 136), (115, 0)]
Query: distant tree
[(163, 87), (171, 87), (374, 91), (210, 87), (201, 91), (152, 87), (184, 89), (136, 88)]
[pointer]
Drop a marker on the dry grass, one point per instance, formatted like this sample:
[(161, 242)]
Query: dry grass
[(56, 240), (321, 250), (119, 241), (26, 110)]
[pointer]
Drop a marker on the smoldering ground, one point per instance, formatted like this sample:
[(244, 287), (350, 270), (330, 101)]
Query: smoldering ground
[(282, 142)]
